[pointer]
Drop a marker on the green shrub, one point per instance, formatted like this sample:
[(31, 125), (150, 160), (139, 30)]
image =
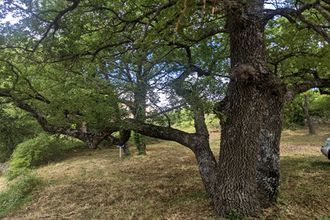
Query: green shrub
[(321, 107), (15, 127), (17, 192), (36, 151)]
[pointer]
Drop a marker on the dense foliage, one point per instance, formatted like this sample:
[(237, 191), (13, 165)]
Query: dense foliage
[(15, 127)]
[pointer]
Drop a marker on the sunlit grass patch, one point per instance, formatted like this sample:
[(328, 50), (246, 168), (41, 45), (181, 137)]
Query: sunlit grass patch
[(299, 142), (301, 136), (2, 183)]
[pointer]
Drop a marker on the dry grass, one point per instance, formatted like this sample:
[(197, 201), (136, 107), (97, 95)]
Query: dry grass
[(2, 183), (294, 142), (97, 185), (305, 188), (165, 184)]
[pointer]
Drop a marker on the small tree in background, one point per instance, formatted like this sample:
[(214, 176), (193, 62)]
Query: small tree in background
[(307, 109)]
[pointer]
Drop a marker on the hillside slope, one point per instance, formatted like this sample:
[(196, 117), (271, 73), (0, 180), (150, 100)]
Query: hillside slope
[(165, 184)]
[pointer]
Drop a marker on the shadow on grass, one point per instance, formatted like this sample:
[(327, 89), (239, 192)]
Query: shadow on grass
[(324, 165), (310, 162), (303, 193)]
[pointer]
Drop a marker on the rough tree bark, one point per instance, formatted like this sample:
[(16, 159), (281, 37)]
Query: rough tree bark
[(268, 167), (205, 159), (244, 112)]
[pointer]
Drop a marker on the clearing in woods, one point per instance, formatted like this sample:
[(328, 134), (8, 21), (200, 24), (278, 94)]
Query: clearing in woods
[(165, 184)]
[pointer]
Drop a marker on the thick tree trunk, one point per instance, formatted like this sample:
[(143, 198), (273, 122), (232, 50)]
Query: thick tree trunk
[(237, 189), (126, 150), (243, 115)]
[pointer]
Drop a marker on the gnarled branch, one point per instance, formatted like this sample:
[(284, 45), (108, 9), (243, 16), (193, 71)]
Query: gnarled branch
[(304, 86)]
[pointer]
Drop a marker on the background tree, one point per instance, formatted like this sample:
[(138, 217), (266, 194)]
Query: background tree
[(140, 79), (309, 122), (294, 113)]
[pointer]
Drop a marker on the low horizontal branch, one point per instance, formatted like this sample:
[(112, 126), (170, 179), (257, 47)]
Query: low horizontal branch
[(165, 133)]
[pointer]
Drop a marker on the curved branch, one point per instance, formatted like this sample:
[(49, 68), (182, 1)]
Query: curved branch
[(288, 13), (317, 28), (283, 57), (91, 139), (56, 21), (303, 87), (297, 14), (189, 140)]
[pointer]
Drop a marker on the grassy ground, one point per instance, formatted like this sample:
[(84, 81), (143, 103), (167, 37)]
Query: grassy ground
[(165, 184), (17, 193)]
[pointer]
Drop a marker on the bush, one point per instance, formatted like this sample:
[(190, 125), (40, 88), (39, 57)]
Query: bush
[(14, 129), (36, 151), (321, 107), (293, 114), (318, 107), (17, 193)]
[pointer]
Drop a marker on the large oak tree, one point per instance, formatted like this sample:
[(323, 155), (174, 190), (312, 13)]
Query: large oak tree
[(73, 37)]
